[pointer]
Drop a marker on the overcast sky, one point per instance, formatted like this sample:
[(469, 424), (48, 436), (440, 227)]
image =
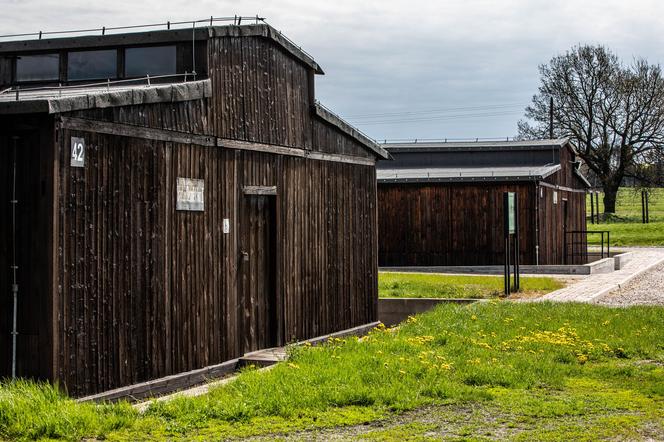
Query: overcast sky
[(404, 69)]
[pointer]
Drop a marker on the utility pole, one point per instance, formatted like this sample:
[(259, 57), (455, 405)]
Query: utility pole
[(551, 118)]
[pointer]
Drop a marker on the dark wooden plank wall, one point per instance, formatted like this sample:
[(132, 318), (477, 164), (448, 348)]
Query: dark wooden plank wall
[(190, 116), (551, 221), (147, 291), (552, 237), (32, 234), (263, 94), (450, 224)]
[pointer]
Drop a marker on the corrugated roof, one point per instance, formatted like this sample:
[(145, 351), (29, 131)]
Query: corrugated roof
[(512, 173), (427, 146), (67, 99)]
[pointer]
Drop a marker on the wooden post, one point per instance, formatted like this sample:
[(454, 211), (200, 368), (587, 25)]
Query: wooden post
[(597, 206), (517, 271), (592, 208), (506, 222), (551, 118), (643, 206), (647, 208)]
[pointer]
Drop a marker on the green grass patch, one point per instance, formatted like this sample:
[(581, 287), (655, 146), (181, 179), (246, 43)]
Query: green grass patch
[(36, 411), (538, 368), (626, 225), (427, 285), (630, 234)]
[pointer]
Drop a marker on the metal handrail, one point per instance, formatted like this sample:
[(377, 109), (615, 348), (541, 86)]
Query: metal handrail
[(339, 117), (584, 241), (235, 19), (107, 84), (444, 140)]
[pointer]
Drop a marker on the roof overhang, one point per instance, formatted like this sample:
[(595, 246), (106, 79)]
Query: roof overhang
[(578, 173), (466, 175), (454, 146), (53, 101), (334, 120), (266, 31)]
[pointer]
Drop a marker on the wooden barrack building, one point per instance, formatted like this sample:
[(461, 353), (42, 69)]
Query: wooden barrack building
[(167, 221), (441, 204)]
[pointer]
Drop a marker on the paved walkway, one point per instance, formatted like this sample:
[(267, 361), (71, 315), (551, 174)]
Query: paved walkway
[(593, 287)]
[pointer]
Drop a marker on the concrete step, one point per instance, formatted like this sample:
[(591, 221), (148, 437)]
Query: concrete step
[(264, 358)]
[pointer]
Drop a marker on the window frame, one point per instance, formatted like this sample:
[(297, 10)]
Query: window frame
[(177, 56), (116, 76), (16, 57)]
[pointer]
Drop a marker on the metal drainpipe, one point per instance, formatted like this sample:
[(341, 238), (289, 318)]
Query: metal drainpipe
[(14, 267), (537, 198)]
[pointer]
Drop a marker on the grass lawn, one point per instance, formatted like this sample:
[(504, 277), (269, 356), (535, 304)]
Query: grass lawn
[(630, 234), (423, 285), (498, 370), (625, 226)]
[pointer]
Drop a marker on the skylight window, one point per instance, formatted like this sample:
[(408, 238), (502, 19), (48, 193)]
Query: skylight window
[(92, 65), (153, 61), (42, 67)]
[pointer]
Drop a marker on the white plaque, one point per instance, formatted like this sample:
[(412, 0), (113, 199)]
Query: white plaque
[(227, 225), (77, 152), (190, 195)]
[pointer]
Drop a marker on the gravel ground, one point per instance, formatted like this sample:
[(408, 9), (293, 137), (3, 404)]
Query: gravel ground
[(645, 289)]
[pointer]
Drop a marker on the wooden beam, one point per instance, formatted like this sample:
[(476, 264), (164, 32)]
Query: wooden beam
[(148, 133), (293, 151), (561, 188), (128, 130), (259, 190)]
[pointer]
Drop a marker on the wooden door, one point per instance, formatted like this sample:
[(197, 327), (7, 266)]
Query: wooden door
[(258, 298)]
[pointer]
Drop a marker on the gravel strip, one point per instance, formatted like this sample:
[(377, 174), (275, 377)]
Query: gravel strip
[(645, 289)]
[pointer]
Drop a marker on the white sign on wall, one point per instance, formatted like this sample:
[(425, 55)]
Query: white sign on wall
[(77, 152), (190, 195)]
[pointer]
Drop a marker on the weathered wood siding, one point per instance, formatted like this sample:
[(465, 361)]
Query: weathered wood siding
[(141, 290), (450, 224), (552, 222), (147, 291)]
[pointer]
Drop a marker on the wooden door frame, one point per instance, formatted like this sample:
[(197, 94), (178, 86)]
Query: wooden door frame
[(277, 311)]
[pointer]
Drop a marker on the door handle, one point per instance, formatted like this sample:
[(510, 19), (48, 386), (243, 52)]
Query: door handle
[(245, 255)]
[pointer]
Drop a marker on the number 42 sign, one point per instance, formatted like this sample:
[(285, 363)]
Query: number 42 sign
[(77, 152)]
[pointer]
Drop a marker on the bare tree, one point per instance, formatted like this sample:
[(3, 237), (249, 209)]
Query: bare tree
[(614, 113)]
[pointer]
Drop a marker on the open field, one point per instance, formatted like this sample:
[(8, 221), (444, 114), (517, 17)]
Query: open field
[(422, 285), (626, 225), (628, 205), (496, 370)]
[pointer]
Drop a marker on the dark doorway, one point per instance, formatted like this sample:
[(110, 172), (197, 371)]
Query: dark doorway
[(568, 240), (258, 295), (23, 268)]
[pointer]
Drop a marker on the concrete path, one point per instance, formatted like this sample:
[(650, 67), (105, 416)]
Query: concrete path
[(596, 286)]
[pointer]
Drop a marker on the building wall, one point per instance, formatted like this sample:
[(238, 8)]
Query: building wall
[(552, 221), (450, 224), (146, 291)]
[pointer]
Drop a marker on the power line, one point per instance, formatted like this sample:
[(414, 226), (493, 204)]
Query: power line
[(430, 111), (435, 118)]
